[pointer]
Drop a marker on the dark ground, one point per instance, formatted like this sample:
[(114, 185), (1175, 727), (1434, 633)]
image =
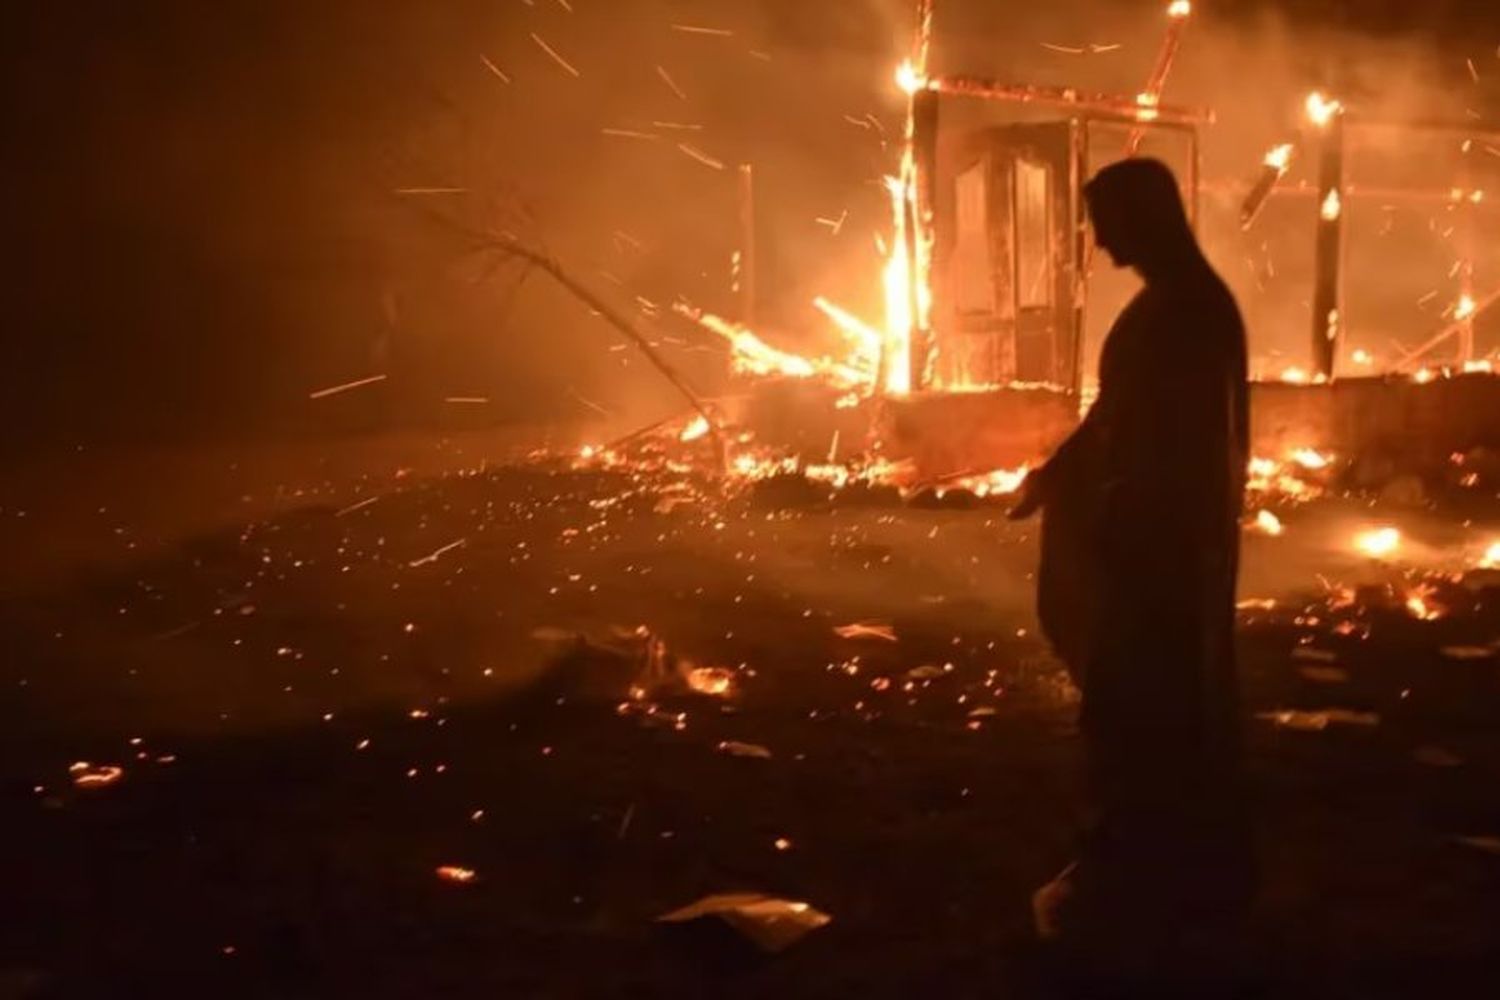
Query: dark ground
[(256, 845)]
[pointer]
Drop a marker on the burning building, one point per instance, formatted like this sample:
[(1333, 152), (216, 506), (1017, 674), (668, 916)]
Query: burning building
[(994, 305)]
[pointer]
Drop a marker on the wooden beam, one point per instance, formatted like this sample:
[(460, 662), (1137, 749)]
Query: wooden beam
[(1113, 106)]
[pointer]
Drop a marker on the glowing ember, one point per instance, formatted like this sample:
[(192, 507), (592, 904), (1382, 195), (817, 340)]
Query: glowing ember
[(694, 430), (86, 775), (1378, 543), (1280, 158), (1422, 376), (1362, 357), (1297, 376), (1465, 308), (1419, 603), (1147, 103), (714, 681), (1321, 110), (1269, 523), (1484, 367), (455, 873)]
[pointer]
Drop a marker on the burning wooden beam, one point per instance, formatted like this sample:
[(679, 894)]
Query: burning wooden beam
[(1329, 254), (1116, 106), (1156, 84)]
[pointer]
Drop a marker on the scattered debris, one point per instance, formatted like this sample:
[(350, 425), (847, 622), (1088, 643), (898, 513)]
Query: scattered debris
[(1484, 842), (1316, 722), (86, 775), (1435, 756), (1468, 652), (866, 630), (772, 924), (734, 748), (1325, 675)]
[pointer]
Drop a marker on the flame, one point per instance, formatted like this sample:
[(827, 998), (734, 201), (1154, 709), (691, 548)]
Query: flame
[(752, 356), (1332, 207), (1147, 103), (1466, 307), (455, 873), (1378, 542), (694, 430), (1321, 110), (1296, 376), (1362, 357), (1308, 458), (1280, 157), (998, 483), (1484, 366), (1422, 376), (1491, 557), (864, 340), (1179, 9), (1269, 523)]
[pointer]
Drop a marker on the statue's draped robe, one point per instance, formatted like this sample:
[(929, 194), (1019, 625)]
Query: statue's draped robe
[(1140, 551)]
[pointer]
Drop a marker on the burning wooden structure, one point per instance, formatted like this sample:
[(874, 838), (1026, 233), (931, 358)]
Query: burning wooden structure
[(989, 280)]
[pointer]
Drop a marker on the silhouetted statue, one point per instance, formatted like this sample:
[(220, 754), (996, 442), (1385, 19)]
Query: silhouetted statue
[(1140, 551)]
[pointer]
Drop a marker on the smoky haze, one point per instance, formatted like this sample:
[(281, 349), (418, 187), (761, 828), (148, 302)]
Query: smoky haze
[(203, 227)]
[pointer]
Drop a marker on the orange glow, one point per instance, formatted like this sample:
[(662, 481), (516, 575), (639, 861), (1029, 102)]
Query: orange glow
[(696, 429), (1491, 557), (1297, 376), (1179, 8), (1466, 307), (454, 873)]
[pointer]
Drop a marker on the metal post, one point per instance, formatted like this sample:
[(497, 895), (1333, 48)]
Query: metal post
[(1327, 310)]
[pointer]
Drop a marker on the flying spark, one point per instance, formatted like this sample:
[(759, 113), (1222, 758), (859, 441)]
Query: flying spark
[(335, 390), (553, 53)]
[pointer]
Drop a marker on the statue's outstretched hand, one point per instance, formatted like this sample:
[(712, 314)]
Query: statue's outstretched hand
[(1029, 498)]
